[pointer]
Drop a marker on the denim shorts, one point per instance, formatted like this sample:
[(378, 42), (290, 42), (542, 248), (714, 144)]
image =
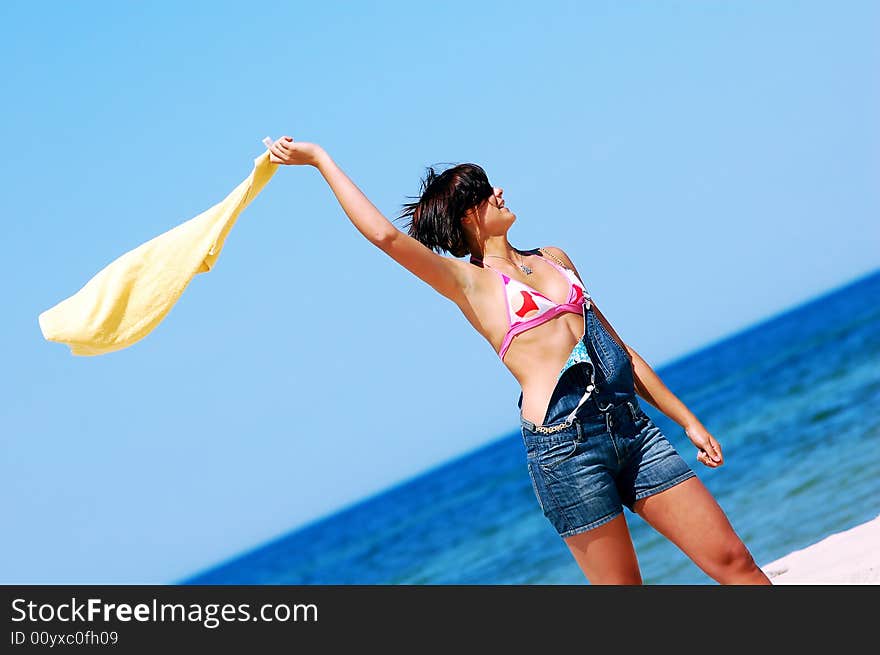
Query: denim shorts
[(585, 474), (596, 450)]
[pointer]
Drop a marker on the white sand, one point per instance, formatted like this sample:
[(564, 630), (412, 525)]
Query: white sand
[(848, 557)]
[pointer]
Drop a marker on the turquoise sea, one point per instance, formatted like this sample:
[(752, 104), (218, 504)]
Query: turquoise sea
[(793, 400)]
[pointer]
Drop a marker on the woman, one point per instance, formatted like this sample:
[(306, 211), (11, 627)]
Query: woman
[(590, 448)]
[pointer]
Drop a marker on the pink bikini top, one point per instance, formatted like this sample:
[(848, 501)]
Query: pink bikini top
[(528, 308)]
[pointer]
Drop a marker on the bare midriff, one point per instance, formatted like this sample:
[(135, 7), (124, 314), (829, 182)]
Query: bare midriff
[(536, 357)]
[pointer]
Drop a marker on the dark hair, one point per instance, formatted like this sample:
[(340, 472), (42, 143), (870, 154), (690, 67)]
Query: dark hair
[(435, 218)]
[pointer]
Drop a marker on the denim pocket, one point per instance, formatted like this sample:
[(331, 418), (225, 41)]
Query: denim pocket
[(554, 454)]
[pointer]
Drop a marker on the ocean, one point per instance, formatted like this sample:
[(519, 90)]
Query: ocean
[(793, 401)]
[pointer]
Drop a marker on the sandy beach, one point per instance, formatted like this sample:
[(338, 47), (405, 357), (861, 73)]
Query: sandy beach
[(848, 557)]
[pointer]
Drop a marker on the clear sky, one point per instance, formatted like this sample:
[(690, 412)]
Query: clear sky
[(705, 164)]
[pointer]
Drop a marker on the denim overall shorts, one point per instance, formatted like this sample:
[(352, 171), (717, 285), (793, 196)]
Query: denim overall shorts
[(596, 450)]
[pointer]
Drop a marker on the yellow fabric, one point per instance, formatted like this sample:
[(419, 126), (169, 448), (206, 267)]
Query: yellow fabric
[(131, 295)]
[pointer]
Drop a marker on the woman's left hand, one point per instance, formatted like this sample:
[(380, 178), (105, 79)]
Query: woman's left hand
[(708, 447)]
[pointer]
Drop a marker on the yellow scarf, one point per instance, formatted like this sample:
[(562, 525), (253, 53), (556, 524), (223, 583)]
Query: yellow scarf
[(131, 295)]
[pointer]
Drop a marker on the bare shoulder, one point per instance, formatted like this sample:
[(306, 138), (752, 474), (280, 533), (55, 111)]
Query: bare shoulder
[(563, 258)]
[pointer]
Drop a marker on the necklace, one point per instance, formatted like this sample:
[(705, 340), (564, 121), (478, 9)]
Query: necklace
[(525, 269)]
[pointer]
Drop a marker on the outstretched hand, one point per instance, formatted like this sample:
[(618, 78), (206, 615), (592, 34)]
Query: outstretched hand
[(288, 152), (709, 450)]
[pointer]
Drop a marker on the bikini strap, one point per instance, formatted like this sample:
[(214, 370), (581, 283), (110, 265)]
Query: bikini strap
[(547, 252)]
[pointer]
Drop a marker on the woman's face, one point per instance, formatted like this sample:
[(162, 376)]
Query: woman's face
[(494, 214)]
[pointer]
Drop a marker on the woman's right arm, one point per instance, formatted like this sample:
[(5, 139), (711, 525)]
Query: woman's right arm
[(449, 277)]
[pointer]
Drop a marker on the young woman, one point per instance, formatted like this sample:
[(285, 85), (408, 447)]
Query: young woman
[(590, 448)]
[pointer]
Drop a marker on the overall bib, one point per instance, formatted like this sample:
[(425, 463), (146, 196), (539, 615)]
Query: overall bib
[(596, 450)]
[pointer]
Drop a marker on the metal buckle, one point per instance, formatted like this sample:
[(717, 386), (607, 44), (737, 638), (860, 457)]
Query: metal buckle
[(632, 410)]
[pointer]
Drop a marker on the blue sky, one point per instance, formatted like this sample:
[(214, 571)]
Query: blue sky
[(705, 164)]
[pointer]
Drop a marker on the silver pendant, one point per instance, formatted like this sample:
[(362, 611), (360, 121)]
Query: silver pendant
[(525, 269)]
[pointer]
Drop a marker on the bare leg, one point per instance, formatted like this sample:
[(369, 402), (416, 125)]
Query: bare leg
[(690, 517), (606, 554)]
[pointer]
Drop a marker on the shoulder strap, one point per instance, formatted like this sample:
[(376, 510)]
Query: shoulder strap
[(550, 254)]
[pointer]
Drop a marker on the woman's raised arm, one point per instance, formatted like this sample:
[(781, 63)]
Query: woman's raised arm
[(449, 277)]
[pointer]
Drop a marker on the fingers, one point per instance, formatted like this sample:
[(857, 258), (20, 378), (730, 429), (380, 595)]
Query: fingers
[(276, 150), (714, 449), (285, 150), (704, 458), (283, 142)]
